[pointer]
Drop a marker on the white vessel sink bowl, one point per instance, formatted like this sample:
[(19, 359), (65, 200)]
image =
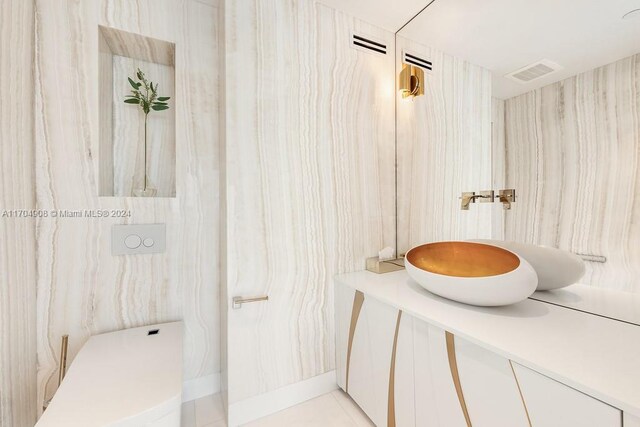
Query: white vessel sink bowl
[(555, 268), (472, 273)]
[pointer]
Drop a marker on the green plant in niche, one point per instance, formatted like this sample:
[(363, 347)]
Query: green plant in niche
[(145, 94)]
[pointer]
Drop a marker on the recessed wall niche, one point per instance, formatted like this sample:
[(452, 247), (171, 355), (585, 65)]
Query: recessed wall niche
[(122, 125)]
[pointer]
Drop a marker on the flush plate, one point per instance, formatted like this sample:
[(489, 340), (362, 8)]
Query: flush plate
[(130, 239)]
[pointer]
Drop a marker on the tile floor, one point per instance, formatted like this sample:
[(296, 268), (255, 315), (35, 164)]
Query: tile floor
[(331, 409)]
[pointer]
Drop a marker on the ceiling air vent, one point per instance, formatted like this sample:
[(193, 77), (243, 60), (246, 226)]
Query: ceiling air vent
[(413, 59), (534, 71), (368, 44)]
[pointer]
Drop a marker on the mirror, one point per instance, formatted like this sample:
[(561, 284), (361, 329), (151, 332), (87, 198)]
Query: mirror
[(538, 96)]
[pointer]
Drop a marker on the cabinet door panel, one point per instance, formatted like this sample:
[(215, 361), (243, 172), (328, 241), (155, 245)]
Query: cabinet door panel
[(344, 297), (436, 400), (553, 404), (368, 382), (489, 386), (404, 375)]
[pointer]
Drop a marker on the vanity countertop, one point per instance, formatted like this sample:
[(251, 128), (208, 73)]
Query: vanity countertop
[(596, 355)]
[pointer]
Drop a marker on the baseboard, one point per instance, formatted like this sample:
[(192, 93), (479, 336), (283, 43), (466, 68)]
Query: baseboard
[(268, 403), (199, 387)]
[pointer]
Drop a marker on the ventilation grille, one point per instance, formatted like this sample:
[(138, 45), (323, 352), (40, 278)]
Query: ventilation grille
[(413, 59), (534, 71), (368, 44)]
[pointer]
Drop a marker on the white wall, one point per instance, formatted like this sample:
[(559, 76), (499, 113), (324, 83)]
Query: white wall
[(17, 235), (82, 288), (572, 153), (310, 181), (444, 149)]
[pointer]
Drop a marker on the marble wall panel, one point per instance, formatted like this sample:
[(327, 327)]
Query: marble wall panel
[(310, 181), (82, 288), (136, 46), (444, 148), (498, 166), (17, 234), (573, 154), (105, 91)]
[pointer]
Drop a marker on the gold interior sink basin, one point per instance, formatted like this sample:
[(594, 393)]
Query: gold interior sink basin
[(473, 273), (463, 259)]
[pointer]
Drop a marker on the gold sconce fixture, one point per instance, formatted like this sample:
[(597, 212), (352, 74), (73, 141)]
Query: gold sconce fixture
[(411, 81)]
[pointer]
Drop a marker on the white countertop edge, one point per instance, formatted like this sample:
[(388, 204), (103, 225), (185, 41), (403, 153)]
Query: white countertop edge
[(400, 279)]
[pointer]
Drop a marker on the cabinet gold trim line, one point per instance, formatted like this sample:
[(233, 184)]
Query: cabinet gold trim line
[(453, 366), (358, 300), (391, 404), (524, 404)]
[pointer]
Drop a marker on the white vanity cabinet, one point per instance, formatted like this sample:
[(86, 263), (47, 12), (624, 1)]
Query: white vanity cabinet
[(489, 387), (404, 371), (363, 366), (553, 404), (499, 392), (423, 380)]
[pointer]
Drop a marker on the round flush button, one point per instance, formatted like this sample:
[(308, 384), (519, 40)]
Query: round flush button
[(132, 241), (148, 242)]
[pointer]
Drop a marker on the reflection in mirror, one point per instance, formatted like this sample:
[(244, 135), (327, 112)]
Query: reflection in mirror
[(539, 96)]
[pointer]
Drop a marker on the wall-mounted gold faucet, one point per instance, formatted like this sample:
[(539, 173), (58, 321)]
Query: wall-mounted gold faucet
[(470, 197), (506, 197)]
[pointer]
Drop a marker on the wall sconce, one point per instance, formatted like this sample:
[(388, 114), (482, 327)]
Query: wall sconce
[(411, 81)]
